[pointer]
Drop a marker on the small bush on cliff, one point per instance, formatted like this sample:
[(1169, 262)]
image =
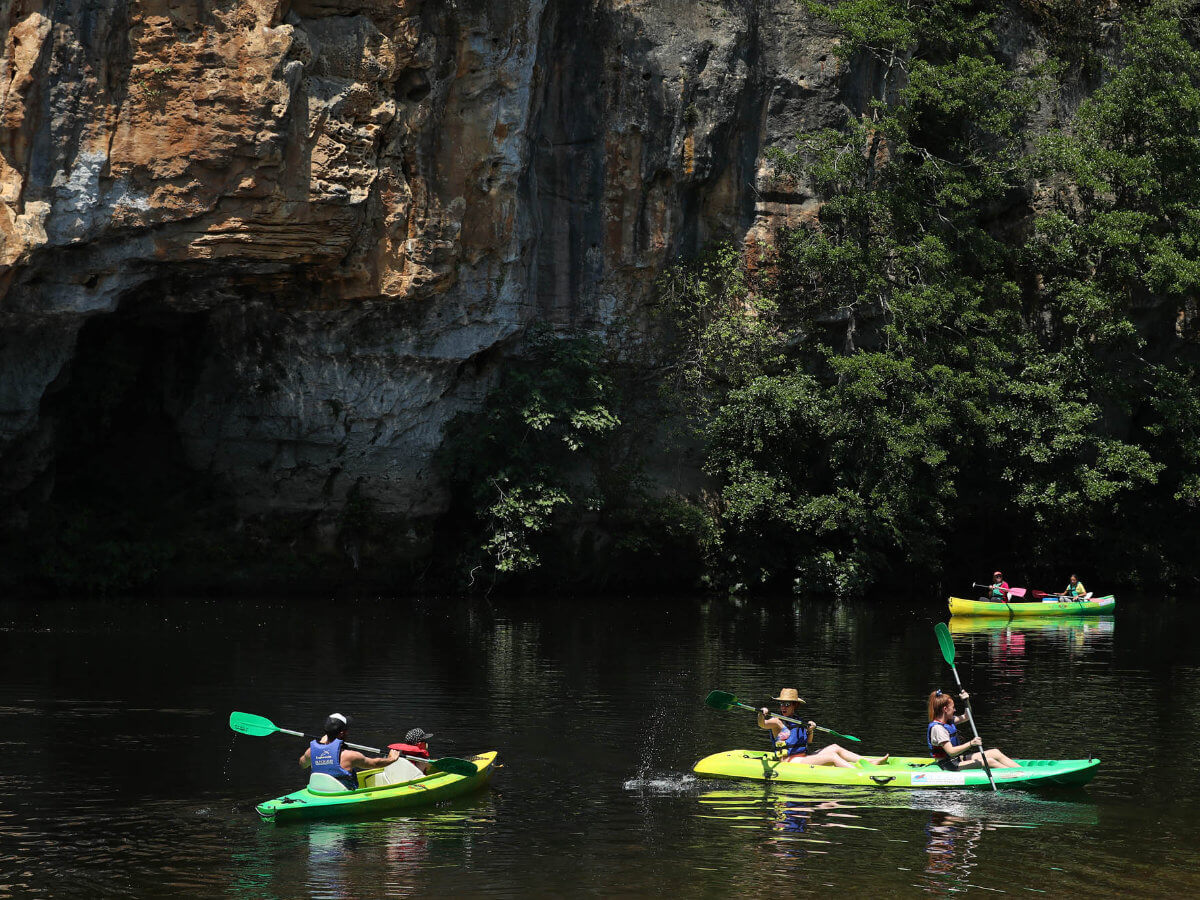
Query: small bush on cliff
[(519, 465)]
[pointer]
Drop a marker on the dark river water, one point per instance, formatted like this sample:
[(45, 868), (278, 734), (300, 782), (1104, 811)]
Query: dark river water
[(121, 777)]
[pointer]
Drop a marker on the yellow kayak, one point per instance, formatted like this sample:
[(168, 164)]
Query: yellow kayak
[(898, 772), (1094, 607)]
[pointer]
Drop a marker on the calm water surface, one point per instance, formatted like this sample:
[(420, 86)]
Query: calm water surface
[(121, 778)]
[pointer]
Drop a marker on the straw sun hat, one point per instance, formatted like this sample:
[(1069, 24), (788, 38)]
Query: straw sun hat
[(789, 695)]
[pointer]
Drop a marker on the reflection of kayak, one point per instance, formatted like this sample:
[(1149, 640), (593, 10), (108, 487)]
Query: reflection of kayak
[(977, 624), (307, 803), (1094, 607), (898, 772)]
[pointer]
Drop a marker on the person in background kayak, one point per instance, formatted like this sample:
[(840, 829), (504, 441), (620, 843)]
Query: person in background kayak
[(416, 743), (1074, 589), (942, 737), (794, 738), (329, 755), (1000, 589)]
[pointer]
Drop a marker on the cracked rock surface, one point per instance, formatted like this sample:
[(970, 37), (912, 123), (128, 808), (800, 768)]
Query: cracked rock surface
[(347, 210)]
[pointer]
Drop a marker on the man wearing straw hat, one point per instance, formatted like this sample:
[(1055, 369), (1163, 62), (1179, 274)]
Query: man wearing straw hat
[(793, 738)]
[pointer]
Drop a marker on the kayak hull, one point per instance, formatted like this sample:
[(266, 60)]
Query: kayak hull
[(898, 772), (1095, 607), (368, 801)]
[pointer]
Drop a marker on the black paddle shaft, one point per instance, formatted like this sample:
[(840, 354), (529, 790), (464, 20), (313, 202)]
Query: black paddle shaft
[(974, 730)]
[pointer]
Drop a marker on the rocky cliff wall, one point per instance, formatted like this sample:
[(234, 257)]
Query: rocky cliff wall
[(321, 224)]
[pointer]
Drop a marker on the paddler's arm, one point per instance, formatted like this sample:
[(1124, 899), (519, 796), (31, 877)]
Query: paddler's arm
[(304, 759), (769, 724), (352, 760), (958, 750), (964, 697)]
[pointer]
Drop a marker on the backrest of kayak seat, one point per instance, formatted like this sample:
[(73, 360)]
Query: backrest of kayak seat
[(327, 784), (398, 772)]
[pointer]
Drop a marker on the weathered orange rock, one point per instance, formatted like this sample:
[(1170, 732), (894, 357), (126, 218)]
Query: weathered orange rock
[(359, 204)]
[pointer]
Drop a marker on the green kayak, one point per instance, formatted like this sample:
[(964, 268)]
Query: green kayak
[(371, 799), (898, 772)]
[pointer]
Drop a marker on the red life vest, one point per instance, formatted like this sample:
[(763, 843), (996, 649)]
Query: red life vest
[(410, 750)]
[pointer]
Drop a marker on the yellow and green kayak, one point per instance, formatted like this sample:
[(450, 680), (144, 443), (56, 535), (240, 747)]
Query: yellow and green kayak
[(1094, 607), (898, 772), (368, 800)]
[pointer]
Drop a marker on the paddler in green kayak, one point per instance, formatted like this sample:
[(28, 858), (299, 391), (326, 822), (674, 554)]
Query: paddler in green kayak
[(942, 737), (1074, 589), (328, 755), (793, 739), (1000, 588)]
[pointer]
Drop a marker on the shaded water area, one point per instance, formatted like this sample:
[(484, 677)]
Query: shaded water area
[(121, 777)]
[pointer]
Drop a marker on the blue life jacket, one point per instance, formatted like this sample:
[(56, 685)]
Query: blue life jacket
[(937, 751), (327, 758), (796, 741)]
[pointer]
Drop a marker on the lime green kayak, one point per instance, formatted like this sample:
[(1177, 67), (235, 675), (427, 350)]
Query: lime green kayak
[(898, 772), (307, 803), (1094, 607)]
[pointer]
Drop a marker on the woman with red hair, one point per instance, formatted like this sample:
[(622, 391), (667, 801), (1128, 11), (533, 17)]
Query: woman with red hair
[(942, 737)]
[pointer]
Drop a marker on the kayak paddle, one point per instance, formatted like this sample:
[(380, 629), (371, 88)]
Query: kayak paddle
[(947, 644), (257, 726), (1012, 592), (723, 701), (1052, 595)]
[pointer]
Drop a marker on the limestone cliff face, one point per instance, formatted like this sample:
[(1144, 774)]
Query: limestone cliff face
[(330, 218)]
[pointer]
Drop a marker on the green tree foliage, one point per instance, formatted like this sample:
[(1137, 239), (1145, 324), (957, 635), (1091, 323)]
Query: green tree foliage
[(963, 353), (923, 395), (1120, 246), (518, 465)]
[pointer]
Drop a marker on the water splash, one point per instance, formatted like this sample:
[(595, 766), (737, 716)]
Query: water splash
[(663, 783)]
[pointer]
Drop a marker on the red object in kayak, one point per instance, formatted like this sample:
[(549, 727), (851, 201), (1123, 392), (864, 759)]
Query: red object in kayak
[(410, 750)]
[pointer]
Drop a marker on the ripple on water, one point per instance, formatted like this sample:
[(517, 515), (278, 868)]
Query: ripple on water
[(665, 783)]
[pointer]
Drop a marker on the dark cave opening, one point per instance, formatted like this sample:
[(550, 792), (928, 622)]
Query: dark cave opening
[(123, 499), (116, 439)]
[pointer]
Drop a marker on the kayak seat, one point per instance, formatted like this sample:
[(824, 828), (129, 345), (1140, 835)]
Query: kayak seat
[(327, 784), (398, 772)]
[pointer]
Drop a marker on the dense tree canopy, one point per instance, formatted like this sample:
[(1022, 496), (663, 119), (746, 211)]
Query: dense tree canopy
[(986, 337)]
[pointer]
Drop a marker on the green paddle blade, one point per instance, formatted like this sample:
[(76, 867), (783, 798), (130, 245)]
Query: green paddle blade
[(248, 723), (838, 734), (720, 700), (945, 641), (454, 766)]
